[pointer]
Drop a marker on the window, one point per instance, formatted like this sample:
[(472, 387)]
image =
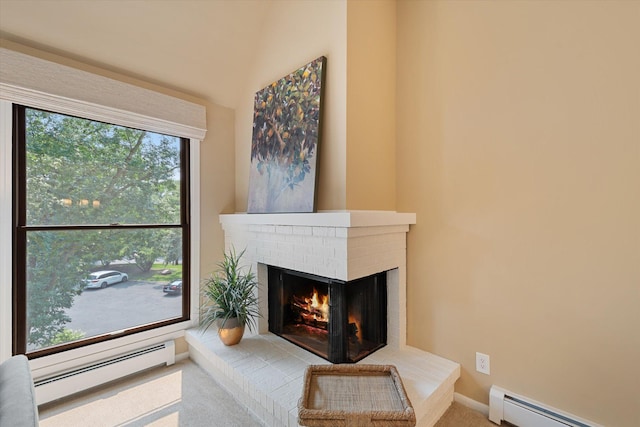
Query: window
[(101, 225), (41, 84)]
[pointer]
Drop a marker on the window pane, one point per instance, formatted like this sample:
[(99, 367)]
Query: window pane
[(85, 283), (86, 172)]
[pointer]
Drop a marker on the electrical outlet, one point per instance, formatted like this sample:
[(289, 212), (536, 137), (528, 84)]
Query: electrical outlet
[(483, 364)]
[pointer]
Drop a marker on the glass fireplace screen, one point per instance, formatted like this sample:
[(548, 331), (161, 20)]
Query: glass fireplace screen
[(340, 321)]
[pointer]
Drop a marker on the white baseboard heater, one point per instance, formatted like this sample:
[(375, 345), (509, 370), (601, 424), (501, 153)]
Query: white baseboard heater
[(79, 379), (524, 412)]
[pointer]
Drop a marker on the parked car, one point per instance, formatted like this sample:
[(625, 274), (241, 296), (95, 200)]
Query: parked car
[(104, 278), (174, 287)]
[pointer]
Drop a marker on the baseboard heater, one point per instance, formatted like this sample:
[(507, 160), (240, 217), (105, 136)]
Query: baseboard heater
[(79, 379), (524, 412)]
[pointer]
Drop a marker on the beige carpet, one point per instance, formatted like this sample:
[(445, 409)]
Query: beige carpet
[(179, 395), (460, 416)]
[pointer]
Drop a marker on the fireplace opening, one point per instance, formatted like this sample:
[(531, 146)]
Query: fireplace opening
[(340, 321)]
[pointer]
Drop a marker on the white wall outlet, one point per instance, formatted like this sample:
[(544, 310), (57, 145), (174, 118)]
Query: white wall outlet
[(483, 364)]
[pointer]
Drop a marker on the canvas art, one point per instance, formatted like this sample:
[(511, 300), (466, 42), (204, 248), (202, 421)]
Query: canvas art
[(284, 146)]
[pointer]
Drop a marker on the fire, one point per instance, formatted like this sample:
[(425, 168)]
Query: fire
[(319, 306), (313, 308)]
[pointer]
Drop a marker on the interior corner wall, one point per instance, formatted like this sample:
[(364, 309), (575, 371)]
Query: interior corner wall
[(294, 34), (371, 105), (519, 150), (216, 183)]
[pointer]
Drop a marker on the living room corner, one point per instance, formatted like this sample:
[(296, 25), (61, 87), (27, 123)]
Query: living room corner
[(510, 131)]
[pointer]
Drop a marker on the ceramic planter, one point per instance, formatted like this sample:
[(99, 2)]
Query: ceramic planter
[(231, 333)]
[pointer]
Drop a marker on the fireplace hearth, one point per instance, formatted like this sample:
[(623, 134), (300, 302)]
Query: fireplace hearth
[(339, 321)]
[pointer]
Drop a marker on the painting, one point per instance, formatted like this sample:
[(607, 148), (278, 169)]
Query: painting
[(284, 146)]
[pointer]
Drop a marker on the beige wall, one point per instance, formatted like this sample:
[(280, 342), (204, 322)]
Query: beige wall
[(217, 175), (299, 32), (187, 45), (519, 149), (371, 104), (357, 151)]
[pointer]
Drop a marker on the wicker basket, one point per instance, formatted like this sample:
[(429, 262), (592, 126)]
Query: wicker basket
[(354, 396)]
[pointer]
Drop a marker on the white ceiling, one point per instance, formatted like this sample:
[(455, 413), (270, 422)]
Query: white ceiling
[(200, 47)]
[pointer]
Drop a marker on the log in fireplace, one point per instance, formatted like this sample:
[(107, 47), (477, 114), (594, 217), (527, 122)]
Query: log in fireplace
[(340, 321)]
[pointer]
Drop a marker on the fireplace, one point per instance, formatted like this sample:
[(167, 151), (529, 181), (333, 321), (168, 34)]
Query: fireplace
[(343, 245), (340, 321)]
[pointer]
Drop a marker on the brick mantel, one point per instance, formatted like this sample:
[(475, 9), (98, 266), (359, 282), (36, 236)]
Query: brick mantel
[(351, 219)]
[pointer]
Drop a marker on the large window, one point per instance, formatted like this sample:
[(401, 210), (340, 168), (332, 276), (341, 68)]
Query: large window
[(101, 231)]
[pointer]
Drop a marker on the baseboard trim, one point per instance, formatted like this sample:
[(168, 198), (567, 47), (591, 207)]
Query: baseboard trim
[(470, 403), (182, 356)]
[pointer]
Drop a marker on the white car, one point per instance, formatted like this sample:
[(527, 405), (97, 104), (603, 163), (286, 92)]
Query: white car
[(104, 278)]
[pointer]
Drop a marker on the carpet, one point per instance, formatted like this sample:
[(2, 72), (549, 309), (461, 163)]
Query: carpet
[(177, 395), (181, 395)]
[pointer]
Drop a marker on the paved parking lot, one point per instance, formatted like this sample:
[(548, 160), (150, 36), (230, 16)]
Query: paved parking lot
[(120, 306)]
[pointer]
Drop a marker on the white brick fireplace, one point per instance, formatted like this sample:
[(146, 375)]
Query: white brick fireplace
[(337, 245), (264, 371)]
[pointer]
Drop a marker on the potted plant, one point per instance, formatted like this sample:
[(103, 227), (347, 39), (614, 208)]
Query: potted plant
[(230, 299)]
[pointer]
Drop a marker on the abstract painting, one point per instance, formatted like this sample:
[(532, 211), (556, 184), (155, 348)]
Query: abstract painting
[(284, 146)]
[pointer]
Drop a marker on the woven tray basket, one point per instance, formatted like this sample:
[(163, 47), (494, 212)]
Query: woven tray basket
[(354, 396)]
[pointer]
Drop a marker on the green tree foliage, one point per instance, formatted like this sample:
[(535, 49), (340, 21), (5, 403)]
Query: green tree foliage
[(285, 127), (82, 172), (172, 246), (54, 270), (125, 171), (67, 335)]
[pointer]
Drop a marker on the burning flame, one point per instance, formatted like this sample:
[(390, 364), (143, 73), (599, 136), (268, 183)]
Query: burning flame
[(314, 312), (319, 306)]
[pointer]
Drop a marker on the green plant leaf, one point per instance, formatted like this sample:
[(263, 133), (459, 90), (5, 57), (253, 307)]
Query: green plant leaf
[(230, 292)]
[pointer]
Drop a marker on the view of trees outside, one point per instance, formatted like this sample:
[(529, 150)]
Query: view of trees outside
[(85, 173)]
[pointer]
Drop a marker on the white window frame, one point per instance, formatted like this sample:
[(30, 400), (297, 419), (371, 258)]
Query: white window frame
[(47, 85)]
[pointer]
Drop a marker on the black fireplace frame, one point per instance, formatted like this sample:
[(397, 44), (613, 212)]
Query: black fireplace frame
[(338, 346)]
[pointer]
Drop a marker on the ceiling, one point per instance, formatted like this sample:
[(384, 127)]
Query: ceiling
[(200, 47)]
